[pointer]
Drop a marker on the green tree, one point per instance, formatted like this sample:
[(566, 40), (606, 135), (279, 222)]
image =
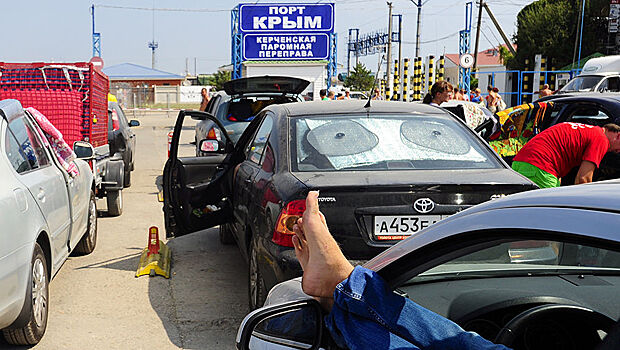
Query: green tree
[(218, 79), (548, 27), (360, 78)]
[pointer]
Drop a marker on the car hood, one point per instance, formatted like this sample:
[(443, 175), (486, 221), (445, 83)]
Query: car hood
[(267, 84)]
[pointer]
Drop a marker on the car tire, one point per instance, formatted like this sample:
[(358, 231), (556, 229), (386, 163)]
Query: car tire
[(257, 293), (127, 179), (38, 296), (87, 244), (115, 202), (226, 236)]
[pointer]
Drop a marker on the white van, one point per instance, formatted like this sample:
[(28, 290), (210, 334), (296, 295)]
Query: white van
[(600, 74)]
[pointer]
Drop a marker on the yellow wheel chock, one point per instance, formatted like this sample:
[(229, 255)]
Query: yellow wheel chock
[(155, 259)]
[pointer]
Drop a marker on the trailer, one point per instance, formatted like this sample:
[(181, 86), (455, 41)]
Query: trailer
[(74, 97)]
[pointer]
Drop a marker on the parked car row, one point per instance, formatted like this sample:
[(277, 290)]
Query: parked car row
[(47, 214)]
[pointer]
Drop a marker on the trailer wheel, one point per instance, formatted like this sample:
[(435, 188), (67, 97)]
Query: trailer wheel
[(115, 202), (127, 179)]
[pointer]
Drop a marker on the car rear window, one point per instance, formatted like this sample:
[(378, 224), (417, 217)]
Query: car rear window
[(386, 142), (246, 108)]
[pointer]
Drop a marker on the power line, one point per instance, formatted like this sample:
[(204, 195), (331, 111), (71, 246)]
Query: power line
[(161, 9)]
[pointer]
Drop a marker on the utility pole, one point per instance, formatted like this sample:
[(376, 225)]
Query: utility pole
[(477, 36), (499, 29), (153, 44), (400, 49), (389, 51), (417, 32)]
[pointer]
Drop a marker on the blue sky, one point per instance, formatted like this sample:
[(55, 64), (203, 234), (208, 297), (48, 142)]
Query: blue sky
[(44, 30)]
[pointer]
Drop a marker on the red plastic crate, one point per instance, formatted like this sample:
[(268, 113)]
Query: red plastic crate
[(73, 96)]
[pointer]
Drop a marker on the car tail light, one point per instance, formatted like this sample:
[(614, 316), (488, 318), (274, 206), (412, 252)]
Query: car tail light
[(213, 134), (283, 233), (115, 123)]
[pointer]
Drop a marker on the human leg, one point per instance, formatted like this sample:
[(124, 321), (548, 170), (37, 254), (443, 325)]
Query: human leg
[(540, 177)]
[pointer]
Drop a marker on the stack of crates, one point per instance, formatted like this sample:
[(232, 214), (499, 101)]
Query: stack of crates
[(73, 96)]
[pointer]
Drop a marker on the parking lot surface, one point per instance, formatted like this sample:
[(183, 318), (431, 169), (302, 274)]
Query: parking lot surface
[(97, 303)]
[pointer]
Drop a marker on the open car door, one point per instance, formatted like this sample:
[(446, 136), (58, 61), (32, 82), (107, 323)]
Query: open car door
[(196, 189)]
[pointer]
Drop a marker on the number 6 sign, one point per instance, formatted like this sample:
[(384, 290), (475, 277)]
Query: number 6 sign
[(466, 61)]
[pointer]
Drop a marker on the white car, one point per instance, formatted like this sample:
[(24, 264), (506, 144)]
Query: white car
[(45, 215)]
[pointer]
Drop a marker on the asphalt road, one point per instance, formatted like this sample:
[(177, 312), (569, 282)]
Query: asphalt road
[(97, 303)]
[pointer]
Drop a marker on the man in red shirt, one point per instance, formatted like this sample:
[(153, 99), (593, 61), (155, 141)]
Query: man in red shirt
[(550, 155)]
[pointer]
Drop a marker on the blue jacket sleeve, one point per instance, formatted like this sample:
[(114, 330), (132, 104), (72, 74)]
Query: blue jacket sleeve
[(368, 315)]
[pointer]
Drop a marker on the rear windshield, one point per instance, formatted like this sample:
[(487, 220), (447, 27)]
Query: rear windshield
[(246, 108), (386, 142), (582, 84)]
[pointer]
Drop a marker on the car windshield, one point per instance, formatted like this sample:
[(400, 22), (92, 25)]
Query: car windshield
[(386, 142), (582, 84), (531, 257)]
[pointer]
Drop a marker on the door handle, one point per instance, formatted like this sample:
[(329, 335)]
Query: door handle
[(41, 195)]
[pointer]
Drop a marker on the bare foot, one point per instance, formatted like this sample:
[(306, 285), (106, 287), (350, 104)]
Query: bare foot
[(300, 244), (326, 266)]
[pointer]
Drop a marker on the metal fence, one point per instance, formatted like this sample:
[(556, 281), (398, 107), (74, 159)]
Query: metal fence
[(133, 97)]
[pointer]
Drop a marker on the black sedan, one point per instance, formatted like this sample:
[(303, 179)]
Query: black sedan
[(384, 172)]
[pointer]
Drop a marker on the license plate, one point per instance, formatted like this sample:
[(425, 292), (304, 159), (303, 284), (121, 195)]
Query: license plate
[(400, 227)]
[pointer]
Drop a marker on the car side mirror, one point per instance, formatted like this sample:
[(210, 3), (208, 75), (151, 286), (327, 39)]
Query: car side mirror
[(212, 146), (133, 123), (83, 150), (292, 325)]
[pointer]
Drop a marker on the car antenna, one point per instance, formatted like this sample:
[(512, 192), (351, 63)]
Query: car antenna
[(374, 83)]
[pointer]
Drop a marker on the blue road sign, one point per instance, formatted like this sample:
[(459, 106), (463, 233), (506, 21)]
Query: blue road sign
[(286, 18), (301, 46)]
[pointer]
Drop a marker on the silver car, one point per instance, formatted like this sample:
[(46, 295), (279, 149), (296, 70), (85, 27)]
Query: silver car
[(45, 215), (534, 270)]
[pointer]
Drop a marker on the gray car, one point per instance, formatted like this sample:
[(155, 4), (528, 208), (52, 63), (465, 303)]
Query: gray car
[(241, 100), (534, 270), (45, 215)]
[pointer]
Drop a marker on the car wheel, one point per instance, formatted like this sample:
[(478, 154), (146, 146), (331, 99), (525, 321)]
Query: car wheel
[(38, 296), (226, 237), (89, 239), (256, 285), (115, 203), (127, 179)]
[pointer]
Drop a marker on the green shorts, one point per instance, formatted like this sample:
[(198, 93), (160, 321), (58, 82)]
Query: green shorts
[(540, 177)]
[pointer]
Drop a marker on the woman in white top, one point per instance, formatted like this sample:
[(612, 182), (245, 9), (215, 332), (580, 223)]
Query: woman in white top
[(440, 92)]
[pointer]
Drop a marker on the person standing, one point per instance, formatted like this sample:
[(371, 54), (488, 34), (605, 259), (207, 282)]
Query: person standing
[(491, 99), (476, 98), (551, 155), (205, 99), (545, 91), (331, 95), (440, 92), (346, 96), (323, 95), (377, 95)]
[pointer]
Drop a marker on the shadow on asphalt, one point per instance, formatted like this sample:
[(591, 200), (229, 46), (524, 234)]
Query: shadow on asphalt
[(206, 297), (128, 262)]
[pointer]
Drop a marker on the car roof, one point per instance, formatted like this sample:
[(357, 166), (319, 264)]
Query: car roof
[(352, 107), (11, 109), (596, 196), (583, 96)]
